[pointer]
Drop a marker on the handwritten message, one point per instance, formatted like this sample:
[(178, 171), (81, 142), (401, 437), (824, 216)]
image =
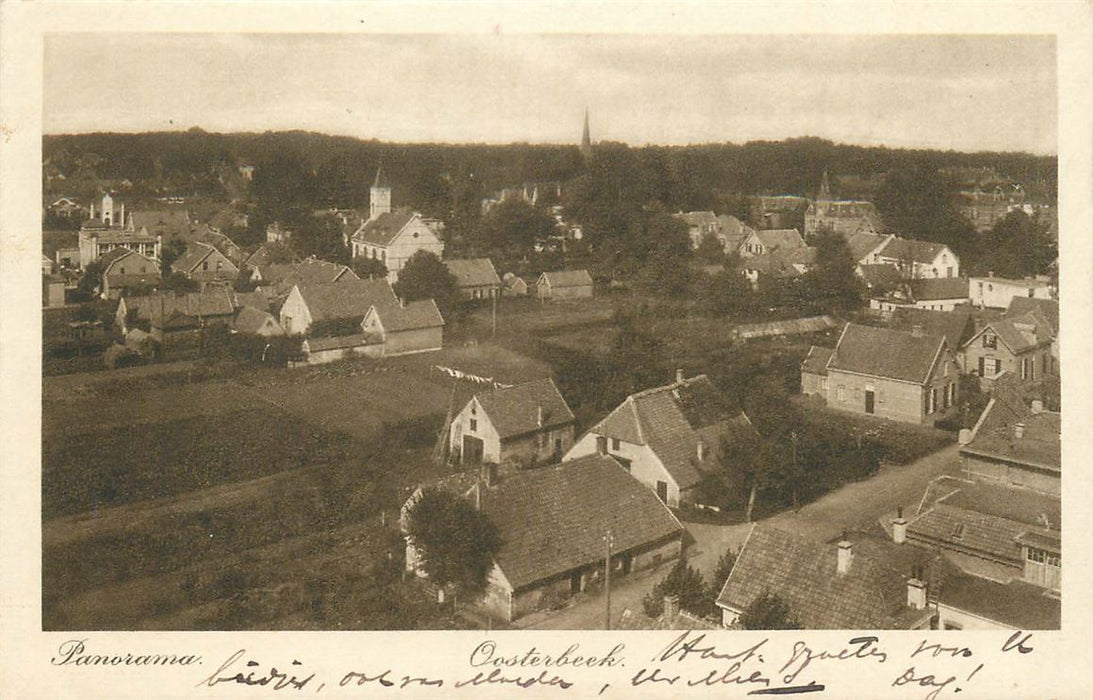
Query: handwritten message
[(933, 668)]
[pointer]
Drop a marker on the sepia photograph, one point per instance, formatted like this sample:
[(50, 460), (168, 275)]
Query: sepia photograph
[(550, 332)]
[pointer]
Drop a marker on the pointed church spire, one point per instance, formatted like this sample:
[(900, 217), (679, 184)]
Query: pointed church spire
[(825, 188), (380, 181), (586, 138)]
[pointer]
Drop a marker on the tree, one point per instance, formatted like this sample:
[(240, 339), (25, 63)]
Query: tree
[(710, 250), (687, 584), (91, 279), (1017, 247), (170, 251), (423, 276), (367, 268), (455, 542), (832, 281), (724, 567), (745, 452), (768, 612), (179, 283), (725, 293), (513, 225)]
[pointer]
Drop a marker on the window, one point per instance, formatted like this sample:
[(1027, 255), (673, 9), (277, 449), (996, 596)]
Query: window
[(615, 443), (543, 440), (1024, 368), (474, 425), (997, 367), (823, 383), (1030, 293), (990, 340), (205, 265), (121, 270), (841, 392), (601, 444), (982, 366), (933, 401)]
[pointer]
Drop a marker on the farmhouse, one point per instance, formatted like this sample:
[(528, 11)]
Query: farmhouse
[(918, 259), (552, 522), (904, 376), (306, 272), (205, 264), (666, 437), (252, 321), (404, 328), (343, 303), (513, 285), (392, 236), (997, 292), (528, 424), (564, 284), (864, 581), (1020, 346), (956, 326), (1043, 313), (125, 270), (770, 240), (475, 278)]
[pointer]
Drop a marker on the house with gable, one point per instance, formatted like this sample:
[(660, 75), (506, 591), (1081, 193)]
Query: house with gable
[(770, 240), (997, 292), (475, 278), (862, 581), (956, 326), (668, 438), (125, 270), (842, 216), (527, 424), (918, 259), (108, 229), (1043, 313), (1021, 346), (205, 264), (552, 521), (343, 303), (392, 236), (250, 320), (906, 376), (404, 328), (564, 284)]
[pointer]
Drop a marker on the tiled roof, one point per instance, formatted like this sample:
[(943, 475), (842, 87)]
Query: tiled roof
[(957, 325), (515, 410), (553, 519), (192, 257), (264, 254), (668, 419), (109, 258), (252, 320), (336, 342), (346, 299), (732, 231), (774, 264), (415, 315), (314, 271), (815, 361), (913, 250), (476, 272), (682, 620), (883, 352), (964, 529), (1047, 308), (383, 229), (1016, 604), (939, 288), (568, 278), (156, 307), (863, 243), (117, 235), (1020, 333), (872, 594), (164, 222), (880, 274), (995, 435), (781, 238), (789, 326), (262, 298), (698, 218)]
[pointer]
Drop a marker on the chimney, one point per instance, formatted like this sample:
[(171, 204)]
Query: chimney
[(843, 556), (679, 376), (1019, 431), (539, 415), (916, 594), (1037, 406), (899, 528), (917, 330), (671, 606)]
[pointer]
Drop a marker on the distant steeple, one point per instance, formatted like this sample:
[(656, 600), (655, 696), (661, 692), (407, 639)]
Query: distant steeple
[(379, 197), (586, 138), (825, 189)]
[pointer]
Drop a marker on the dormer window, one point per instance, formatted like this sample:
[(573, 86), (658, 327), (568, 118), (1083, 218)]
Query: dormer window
[(990, 340)]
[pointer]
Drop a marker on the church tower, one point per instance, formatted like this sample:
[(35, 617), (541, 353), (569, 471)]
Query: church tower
[(825, 189), (379, 197), (586, 139)]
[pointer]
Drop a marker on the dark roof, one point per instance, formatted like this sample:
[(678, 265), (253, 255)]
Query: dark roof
[(382, 230), (553, 519), (336, 342), (314, 271), (995, 434), (669, 419), (910, 249), (1016, 604), (413, 315), (681, 620), (815, 361), (157, 307), (880, 274), (1019, 333), (164, 222), (515, 410), (781, 238), (568, 278), (476, 272), (774, 264), (252, 320), (345, 299), (863, 243), (939, 288), (1047, 308), (883, 352), (963, 529), (261, 298), (872, 594), (193, 255), (957, 325)]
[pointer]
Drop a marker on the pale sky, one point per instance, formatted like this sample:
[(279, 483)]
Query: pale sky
[(960, 92)]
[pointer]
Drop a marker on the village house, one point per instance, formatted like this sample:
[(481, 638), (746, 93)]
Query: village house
[(1044, 314), (769, 241), (474, 278), (667, 438), (918, 259), (789, 263), (284, 276), (267, 254), (107, 230), (956, 326), (1020, 346), (404, 328), (513, 285), (862, 581), (178, 321), (527, 424), (699, 225), (1014, 443), (253, 321), (778, 211), (997, 292), (729, 231), (124, 271), (343, 303), (906, 376), (881, 279), (392, 236), (552, 522), (941, 294), (205, 265), (564, 284)]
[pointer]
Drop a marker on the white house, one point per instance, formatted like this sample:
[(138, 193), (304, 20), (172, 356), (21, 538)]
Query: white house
[(392, 236), (997, 292)]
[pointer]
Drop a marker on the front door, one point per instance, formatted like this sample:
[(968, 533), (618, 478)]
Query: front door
[(472, 450), (662, 491), (869, 399), (557, 450)]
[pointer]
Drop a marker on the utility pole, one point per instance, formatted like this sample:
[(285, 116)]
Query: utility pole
[(608, 541), (493, 334)]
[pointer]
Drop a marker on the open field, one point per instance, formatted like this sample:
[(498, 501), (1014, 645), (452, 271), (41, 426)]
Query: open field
[(242, 499)]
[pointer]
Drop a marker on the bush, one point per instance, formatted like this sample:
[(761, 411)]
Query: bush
[(768, 612), (687, 584)]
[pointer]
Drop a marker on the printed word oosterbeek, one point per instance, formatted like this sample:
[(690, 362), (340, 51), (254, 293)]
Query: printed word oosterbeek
[(73, 652), (487, 654)]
